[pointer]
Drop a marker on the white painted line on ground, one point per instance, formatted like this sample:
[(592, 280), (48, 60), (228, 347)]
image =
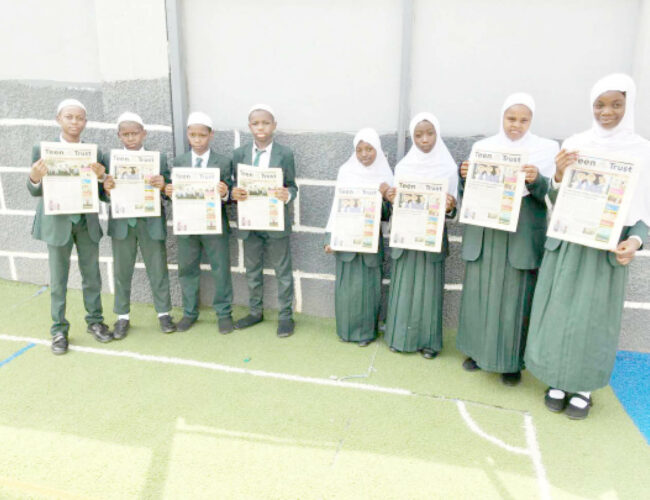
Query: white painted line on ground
[(536, 457), (477, 430)]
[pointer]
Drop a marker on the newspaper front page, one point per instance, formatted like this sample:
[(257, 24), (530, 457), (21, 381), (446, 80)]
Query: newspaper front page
[(195, 200), (70, 186), (418, 220), (262, 210), (493, 189), (357, 215), (594, 198), (133, 196)]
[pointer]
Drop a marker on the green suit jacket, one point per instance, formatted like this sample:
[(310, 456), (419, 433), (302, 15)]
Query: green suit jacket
[(215, 160), (281, 157), (156, 226), (526, 245), (639, 229), (56, 229)]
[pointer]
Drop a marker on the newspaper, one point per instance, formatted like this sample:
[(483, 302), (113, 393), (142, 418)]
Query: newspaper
[(262, 210), (418, 221), (132, 195), (594, 198), (493, 189), (70, 186), (357, 215), (195, 200)]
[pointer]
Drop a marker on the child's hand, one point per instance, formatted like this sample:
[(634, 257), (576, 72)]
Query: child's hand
[(451, 203), (223, 189), (282, 194), (390, 194), (531, 172), (464, 167), (328, 249), (157, 181), (383, 189), (239, 194), (625, 251), (38, 171), (109, 183), (169, 190), (562, 160), (99, 170)]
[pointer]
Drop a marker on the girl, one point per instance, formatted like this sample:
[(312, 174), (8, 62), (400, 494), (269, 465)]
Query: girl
[(358, 275), (414, 319), (500, 270), (576, 316)]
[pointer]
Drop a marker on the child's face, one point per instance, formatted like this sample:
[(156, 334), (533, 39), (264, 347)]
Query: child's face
[(516, 121), (366, 154), (199, 137), (609, 108), (262, 125), (424, 136), (132, 135), (72, 120)]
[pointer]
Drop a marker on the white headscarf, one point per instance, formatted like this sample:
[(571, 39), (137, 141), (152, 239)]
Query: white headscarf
[(541, 151), (436, 164), (353, 173), (621, 139)]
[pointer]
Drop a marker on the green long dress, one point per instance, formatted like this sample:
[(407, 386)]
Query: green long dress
[(576, 316)]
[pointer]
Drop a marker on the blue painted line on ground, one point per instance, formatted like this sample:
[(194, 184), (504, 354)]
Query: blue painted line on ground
[(631, 383), (16, 354)]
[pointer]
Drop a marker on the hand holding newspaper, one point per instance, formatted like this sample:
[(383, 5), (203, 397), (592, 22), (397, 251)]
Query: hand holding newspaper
[(262, 210), (70, 186), (133, 195), (196, 202), (357, 215)]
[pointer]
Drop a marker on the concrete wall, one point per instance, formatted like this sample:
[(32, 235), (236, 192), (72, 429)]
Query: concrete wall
[(328, 69)]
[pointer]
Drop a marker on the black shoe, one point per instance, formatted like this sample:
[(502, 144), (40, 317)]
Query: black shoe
[(554, 404), (365, 343), (575, 412), (59, 344), (120, 328), (392, 349), (100, 331), (185, 324), (470, 365), (511, 379), (225, 325), (285, 328), (166, 324), (247, 321), (428, 353)]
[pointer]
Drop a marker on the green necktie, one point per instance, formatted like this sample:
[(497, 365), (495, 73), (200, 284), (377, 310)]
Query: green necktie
[(198, 161), (258, 153), (132, 222), (75, 218)]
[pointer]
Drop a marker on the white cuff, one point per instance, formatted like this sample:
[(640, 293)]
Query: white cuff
[(225, 196), (35, 184), (637, 238), (288, 199), (554, 183)]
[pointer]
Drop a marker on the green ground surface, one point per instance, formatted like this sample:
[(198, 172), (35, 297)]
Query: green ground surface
[(87, 425)]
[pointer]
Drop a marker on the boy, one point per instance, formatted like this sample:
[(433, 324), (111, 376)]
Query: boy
[(215, 246), (265, 153), (61, 232), (148, 233)]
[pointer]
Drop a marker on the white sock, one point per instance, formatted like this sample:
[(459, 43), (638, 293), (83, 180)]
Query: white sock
[(160, 315), (556, 394), (580, 403), (123, 316)]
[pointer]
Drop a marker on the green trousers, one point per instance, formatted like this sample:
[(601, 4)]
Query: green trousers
[(91, 280), (217, 250), (154, 254), (278, 252)]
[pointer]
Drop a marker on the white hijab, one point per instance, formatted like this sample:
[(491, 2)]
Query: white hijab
[(541, 151), (354, 174), (621, 139), (437, 163)]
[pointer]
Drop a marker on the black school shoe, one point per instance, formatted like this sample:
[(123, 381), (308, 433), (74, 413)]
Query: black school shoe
[(511, 379), (285, 328), (428, 353), (225, 325), (554, 404), (470, 365), (185, 324), (366, 343), (100, 331), (166, 324), (575, 412), (59, 344), (120, 328), (247, 321)]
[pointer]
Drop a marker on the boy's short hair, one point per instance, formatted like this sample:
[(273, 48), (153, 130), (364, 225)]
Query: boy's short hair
[(261, 107), (199, 118)]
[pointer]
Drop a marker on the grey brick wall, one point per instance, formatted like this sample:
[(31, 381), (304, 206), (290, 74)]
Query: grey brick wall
[(26, 112)]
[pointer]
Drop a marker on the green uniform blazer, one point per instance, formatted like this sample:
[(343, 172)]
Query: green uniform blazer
[(56, 229), (639, 229), (282, 157), (526, 245), (215, 160), (156, 226)]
